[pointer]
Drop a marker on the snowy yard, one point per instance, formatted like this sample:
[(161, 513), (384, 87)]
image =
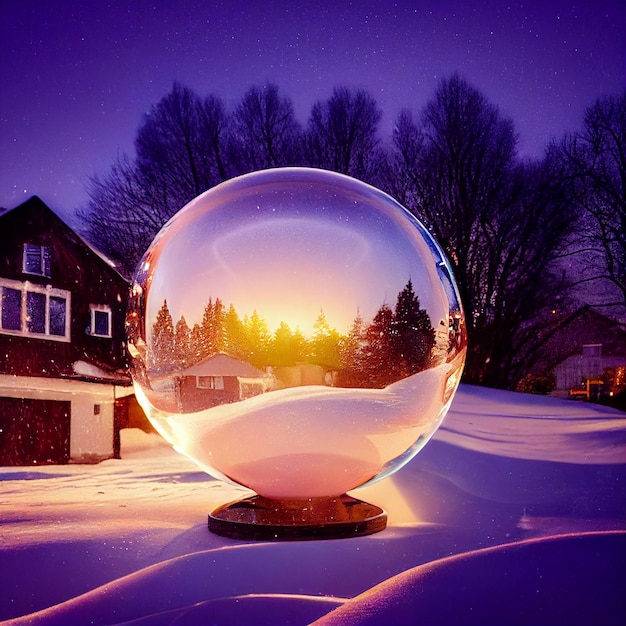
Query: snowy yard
[(126, 541)]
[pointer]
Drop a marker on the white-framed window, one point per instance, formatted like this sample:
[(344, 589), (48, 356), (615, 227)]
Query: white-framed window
[(210, 382), (36, 260), (34, 310), (100, 325)]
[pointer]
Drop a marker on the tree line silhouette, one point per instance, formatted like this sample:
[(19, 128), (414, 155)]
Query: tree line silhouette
[(396, 344), (532, 242)]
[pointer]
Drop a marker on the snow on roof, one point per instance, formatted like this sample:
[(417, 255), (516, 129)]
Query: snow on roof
[(94, 372), (221, 364)]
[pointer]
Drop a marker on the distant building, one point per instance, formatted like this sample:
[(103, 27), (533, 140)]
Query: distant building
[(582, 352), (64, 385), (582, 375), (220, 379)]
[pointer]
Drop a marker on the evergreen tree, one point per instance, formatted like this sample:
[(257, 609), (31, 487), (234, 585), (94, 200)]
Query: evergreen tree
[(182, 344), (212, 328), (325, 343), (218, 326), (352, 358), (258, 340), (163, 339), (413, 336), (197, 350), (233, 334), (378, 353), (299, 346), (282, 346)]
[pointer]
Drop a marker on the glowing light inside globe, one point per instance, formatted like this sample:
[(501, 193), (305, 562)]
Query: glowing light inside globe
[(297, 332)]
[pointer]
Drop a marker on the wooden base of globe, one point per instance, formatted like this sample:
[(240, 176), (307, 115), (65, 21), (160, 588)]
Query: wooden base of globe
[(261, 519)]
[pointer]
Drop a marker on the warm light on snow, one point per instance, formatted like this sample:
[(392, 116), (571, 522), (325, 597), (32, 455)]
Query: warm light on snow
[(313, 441), (297, 332), (491, 475)]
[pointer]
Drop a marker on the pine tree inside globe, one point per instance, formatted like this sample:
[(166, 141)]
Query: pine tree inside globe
[(300, 333)]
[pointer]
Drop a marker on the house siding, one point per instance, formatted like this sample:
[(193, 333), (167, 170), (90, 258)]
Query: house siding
[(88, 372), (74, 268), (192, 398), (573, 371)]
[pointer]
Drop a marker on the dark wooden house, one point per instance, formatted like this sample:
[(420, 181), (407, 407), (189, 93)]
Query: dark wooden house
[(64, 384), (220, 379)]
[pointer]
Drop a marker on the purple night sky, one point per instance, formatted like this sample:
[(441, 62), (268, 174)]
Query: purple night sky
[(77, 76)]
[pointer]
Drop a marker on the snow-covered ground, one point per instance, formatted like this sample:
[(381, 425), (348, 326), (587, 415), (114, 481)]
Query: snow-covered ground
[(515, 512)]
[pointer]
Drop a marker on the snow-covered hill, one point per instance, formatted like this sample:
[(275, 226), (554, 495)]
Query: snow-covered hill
[(514, 512)]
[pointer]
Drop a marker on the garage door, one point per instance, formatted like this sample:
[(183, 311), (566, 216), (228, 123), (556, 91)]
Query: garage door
[(34, 432)]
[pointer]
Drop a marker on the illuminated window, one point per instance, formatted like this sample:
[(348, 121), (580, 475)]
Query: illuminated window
[(34, 310), (100, 320), (36, 260), (210, 382)]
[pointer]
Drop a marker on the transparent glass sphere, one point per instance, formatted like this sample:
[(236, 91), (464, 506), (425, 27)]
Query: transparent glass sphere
[(297, 332)]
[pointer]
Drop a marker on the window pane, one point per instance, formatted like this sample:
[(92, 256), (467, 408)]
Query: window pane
[(32, 259), (46, 261), (37, 259), (36, 312), (11, 309), (210, 382), (57, 316), (101, 323)]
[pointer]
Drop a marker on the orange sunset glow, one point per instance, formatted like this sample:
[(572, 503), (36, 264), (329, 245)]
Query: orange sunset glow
[(289, 257)]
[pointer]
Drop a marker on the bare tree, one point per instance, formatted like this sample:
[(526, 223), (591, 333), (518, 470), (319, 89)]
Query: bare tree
[(342, 134), (458, 171), (123, 214), (265, 132), (180, 153), (399, 172), (504, 224), (594, 162), (181, 141), (522, 286)]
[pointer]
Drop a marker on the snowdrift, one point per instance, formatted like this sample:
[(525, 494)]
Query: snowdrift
[(515, 512)]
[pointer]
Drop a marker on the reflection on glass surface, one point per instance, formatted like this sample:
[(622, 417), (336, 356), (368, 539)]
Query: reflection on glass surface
[(295, 331)]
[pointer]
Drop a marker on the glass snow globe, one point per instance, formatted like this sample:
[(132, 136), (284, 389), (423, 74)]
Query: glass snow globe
[(300, 333)]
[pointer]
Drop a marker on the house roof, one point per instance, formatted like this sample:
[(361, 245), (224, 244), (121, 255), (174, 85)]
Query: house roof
[(221, 364), (86, 277), (35, 203)]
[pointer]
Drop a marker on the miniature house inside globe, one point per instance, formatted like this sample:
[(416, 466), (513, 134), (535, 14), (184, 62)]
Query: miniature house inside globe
[(297, 332)]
